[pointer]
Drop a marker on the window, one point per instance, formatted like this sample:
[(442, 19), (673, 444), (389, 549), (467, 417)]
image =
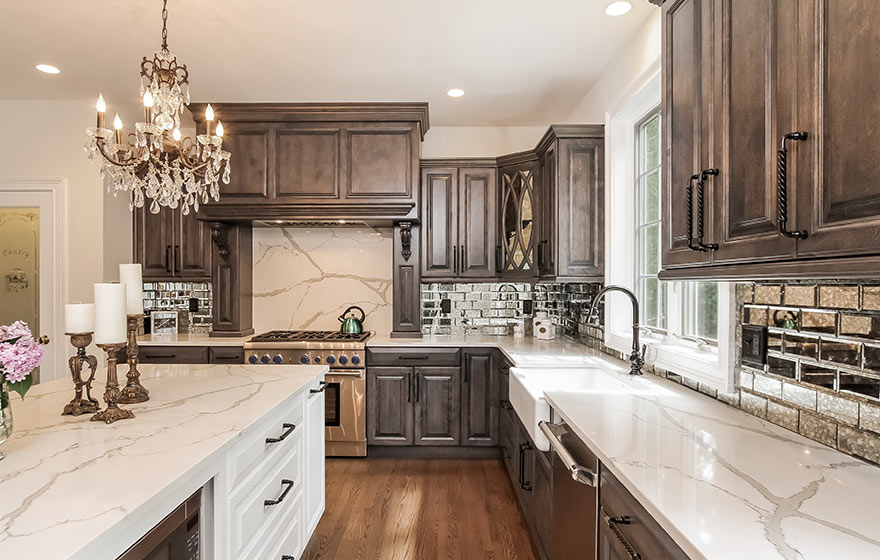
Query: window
[(688, 325)]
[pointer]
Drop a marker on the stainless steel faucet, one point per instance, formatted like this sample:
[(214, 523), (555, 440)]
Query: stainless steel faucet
[(637, 357)]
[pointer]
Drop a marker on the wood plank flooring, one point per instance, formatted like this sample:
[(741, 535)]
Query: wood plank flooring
[(419, 509)]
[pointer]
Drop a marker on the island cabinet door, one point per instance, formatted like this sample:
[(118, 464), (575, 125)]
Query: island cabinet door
[(437, 405), (479, 405), (837, 187), (314, 459), (389, 405)]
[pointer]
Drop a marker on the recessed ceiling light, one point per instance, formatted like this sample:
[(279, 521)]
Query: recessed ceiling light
[(48, 69), (618, 8), (455, 92)]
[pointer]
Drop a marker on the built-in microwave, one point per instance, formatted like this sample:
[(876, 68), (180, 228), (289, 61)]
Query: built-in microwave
[(177, 537)]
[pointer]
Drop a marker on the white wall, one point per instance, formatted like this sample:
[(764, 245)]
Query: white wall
[(479, 141), (44, 140), (621, 72)]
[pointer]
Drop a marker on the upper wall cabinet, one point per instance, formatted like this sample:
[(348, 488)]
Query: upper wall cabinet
[(171, 246), (518, 217), (319, 162), (458, 217), (767, 171)]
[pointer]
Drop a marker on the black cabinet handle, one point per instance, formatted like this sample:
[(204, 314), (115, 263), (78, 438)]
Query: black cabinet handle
[(621, 543), (236, 358), (463, 259), (287, 557), (288, 484), (168, 259), (690, 212), (412, 358), (455, 260), (321, 388), (498, 264), (409, 387), (288, 429), (525, 485), (782, 187), (418, 386), (705, 174), (159, 356), (178, 259)]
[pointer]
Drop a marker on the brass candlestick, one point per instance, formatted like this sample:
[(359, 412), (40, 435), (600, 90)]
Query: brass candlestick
[(79, 406), (133, 392), (111, 393)]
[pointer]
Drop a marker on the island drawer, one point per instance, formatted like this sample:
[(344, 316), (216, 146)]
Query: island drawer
[(413, 356), (270, 438), (226, 355), (256, 510), (173, 354), (286, 538)]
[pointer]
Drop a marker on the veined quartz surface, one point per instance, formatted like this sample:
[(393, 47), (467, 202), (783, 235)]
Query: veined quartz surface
[(70, 487), (724, 484), (522, 352), (190, 340)]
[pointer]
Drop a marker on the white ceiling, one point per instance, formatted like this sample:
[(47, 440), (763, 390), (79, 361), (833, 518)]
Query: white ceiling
[(521, 62)]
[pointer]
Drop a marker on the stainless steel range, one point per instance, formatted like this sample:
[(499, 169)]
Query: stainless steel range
[(345, 391)]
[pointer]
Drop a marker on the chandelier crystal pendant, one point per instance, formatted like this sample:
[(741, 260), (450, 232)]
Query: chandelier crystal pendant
[(155, 162)]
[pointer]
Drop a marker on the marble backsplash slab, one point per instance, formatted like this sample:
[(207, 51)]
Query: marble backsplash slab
[(304, 278)]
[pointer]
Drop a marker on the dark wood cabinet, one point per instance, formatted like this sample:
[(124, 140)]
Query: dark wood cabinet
[(571, 203), (437, 405), (170, 245), (389, 405), (542, 502), (479, 398), (739, 79), (458, 214), (517, 218)]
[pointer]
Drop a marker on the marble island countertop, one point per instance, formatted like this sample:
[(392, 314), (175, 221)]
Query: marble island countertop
[(72, 488), (724, 484)]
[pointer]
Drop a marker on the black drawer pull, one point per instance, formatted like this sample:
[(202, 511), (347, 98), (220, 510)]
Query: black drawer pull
[(236, 358), (689, 200), (621, 541), (320, 389), (149, 356), (524, 484), (287, 557), (412, 358), (288, 429), (782, 187), (705, 174), (505, 404), (286, 482)]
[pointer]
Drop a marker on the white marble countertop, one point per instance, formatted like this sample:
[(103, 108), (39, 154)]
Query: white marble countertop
[(69, 487), (522, 352), (190, 340), (724, 484)]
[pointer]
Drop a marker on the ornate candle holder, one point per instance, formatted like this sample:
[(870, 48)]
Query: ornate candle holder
[(111, 393), (79, 406), (133, 392)]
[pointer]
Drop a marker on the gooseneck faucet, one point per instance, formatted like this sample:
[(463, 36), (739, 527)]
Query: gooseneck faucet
[(637, 357)]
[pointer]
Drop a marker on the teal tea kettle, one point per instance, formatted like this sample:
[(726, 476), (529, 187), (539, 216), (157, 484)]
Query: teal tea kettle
[(352, 325)]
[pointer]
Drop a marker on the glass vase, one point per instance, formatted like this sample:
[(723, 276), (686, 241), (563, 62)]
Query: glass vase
[(5, 412)]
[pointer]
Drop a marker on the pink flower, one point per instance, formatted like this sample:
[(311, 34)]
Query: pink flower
[(20, 358)]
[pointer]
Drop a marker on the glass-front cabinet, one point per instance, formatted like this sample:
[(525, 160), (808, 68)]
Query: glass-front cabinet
[(516, 252)]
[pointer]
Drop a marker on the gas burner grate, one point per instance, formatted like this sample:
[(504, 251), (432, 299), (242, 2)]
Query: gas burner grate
[(309, 336)]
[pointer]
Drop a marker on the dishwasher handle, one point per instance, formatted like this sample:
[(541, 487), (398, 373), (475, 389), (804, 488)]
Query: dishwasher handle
[(578, 473)]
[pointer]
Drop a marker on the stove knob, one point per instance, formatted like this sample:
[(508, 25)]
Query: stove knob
[(278, 359), (331, 360), (317, 359), (304, 359), (355, 360), (253, 359), (343, 360), (265, 359)]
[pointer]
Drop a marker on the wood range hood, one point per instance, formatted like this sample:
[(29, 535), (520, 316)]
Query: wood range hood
[(318, 163)]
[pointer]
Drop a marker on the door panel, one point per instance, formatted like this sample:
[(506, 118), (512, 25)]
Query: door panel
[(838, 188), (154, 242), (547, 212), (390, 408), (192, 247), (381, 161), (440, 218), (580, 211), (476, 206), (437, 406), (686, 25), (249, 146), (307, 163), (479, 404), (755, 107)]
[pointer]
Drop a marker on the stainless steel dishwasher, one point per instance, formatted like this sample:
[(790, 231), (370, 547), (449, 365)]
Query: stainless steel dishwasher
[(575, 494)]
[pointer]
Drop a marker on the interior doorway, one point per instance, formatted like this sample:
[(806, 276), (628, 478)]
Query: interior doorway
[(32, 279)]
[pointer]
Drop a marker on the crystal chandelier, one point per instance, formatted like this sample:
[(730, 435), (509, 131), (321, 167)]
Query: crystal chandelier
[(154, 161)]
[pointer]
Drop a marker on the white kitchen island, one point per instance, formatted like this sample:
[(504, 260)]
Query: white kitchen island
[(76, 489)]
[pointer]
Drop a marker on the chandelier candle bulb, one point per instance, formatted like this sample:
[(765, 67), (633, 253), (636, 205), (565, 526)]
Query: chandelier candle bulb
[(131, 275), (79, 318), (219, 129), (176, 135), (148, 107), (102, 108), (110, 313), (209, 119), (117, 124)]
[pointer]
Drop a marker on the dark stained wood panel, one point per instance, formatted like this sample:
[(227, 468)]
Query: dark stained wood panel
[(476, 210), (479, 402), (389, 405), (192, 249), (381, 162), (307, 163), (419, 509), (249, 175), (437, 405), (439, 220), (580, 193), (154, 242)]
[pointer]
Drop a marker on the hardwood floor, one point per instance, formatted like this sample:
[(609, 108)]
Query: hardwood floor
[(419, 509)]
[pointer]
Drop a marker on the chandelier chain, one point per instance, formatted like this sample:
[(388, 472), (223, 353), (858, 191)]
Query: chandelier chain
[(164, 25)]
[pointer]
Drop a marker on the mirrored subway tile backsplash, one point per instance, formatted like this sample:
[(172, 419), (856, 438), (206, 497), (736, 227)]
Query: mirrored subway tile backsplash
[(493, 308), (176, 296)]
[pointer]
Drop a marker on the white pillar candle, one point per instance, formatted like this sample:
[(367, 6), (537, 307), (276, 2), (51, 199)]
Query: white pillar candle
[(79, 318), (110, 313), (132, 277)]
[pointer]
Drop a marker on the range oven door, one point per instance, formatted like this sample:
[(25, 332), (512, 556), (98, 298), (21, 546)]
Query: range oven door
[(345, 413)]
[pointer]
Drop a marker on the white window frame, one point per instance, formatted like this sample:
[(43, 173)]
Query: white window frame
[(709, 364)]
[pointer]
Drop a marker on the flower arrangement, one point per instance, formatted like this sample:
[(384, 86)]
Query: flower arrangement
[(20, 354)]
